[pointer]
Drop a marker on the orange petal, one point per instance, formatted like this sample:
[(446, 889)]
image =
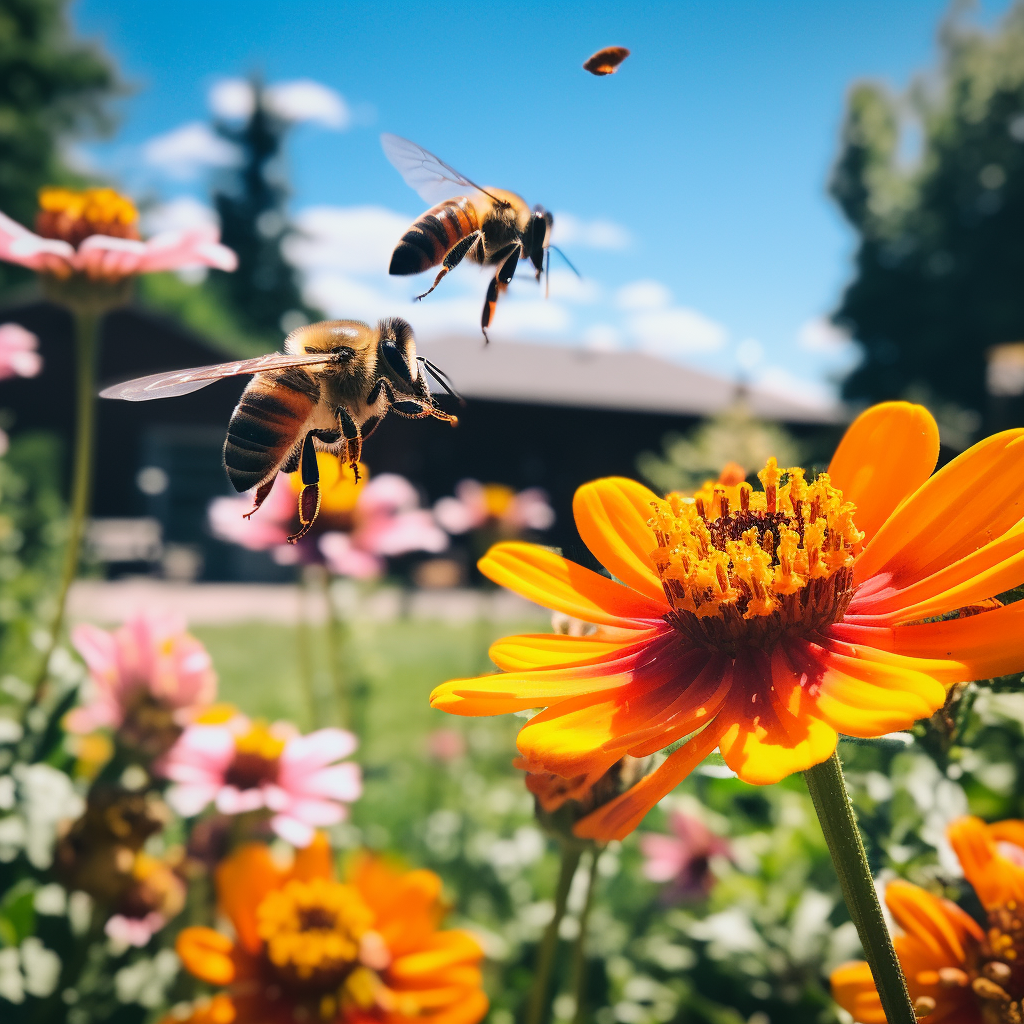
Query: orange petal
[(996, 880), (619, 817), (854, 990), (981, 574), (552, 650), (885, 455), (938, 924), (976, 647), (469, 1010), (315, 861), (206, 954), (243, 880), (1011, 831), (771, 728), (967, 504), (550, 580), (611, 516), (587, 733), (861, 693), (450, 948)]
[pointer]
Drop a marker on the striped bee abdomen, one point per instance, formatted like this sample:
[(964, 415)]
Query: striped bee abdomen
[(264, 428), (425, 244)]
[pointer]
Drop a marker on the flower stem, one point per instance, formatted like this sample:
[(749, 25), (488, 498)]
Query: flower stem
[(305, 659), (835, 813), (537, 1007), (335, 637), (579, 953), (86, 356)]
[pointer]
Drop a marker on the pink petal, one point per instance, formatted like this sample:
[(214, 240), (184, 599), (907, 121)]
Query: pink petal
[(105, 257), (172, 250), (231, 800), (338, 782), (18, 355), (190, 798), (292, 831), (19, 245), (455, 516), (261, 532), (318, 813), (399, 534), (388, 492), (343, 558), (306, 754)]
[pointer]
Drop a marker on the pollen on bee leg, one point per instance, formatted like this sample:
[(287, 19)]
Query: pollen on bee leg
[(309, 507)]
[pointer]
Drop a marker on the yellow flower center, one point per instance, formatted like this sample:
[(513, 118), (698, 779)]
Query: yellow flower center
[(256, 758), (744, 568), (74, 216), (313, 933), (998, 981), (339, 489), (498, 499)]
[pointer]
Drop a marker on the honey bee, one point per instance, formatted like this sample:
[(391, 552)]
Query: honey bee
[(328, 390), (488, 225)]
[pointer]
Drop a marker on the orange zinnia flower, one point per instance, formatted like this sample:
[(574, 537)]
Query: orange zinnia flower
[(770, 620), (956, 971), (366, 951)]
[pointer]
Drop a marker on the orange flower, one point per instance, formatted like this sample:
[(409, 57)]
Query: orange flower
[(309, 948), (956, 971), (766, 622)]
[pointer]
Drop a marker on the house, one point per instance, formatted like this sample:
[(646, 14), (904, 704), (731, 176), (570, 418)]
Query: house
[(535, 415)]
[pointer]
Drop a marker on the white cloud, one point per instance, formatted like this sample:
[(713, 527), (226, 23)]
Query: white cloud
[(356, 239), (822, 336), (638, 295), (565, 285), (306, 100), (299, 100), (602, 338), (593, 234), (676, 331), (185, 151), (749, 354), (178, 214), (231, 98), (782, 382)]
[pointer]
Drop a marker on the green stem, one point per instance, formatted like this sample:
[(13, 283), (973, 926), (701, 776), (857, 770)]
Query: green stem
[(579, 953), (86, 357), (832, 803), (537, 1007)]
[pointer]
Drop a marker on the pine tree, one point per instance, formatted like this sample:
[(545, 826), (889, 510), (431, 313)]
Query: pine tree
[(52, 90), (264, 291)]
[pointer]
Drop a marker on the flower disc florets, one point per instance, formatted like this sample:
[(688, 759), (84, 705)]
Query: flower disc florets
[(744, 568), (74, 216), (313, 932)]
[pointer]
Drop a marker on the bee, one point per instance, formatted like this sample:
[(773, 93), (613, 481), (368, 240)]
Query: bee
[(606, 61), (488, 225), (328, 391)]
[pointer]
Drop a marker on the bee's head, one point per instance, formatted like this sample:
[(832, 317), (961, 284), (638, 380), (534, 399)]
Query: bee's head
[(397, 347), (541, 223), (345, 338)]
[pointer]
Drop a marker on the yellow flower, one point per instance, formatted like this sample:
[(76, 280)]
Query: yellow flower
[(764, 622)]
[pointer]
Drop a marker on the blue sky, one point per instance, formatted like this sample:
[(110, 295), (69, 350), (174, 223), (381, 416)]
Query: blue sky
[(693, 180)]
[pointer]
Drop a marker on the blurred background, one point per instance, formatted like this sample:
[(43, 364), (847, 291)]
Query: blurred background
[(779, 213)]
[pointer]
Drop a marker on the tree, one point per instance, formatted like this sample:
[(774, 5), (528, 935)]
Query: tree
[(264, 291), (52, 90), (940, 261)]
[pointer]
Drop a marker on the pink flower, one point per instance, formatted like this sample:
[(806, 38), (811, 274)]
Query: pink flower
[(682, 859), (242, 766), (359, 526), (134, 931), (18, 355), (476, 504), (147, 678), (94, 233)]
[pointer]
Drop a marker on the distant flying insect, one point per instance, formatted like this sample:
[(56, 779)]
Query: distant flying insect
[(606, 61), (488, 225), (327, 391)]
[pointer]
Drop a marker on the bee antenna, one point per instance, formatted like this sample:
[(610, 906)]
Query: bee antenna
[(567, 260), (441, 377)]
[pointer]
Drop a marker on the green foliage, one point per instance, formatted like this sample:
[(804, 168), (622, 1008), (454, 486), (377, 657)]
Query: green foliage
[(939, 261), (264, 290), (733, 435), (52, 89)]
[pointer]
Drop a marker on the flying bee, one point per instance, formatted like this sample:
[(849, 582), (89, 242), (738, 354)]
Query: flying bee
[(488, 225), (328, 390)]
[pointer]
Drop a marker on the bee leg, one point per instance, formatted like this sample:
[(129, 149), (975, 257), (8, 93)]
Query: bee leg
[(353, 439), (309, 496), (261, 496), (456, 254), (498, 284)]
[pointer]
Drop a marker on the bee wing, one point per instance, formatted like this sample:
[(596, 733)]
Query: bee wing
[(184, 382), (425, 173)]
